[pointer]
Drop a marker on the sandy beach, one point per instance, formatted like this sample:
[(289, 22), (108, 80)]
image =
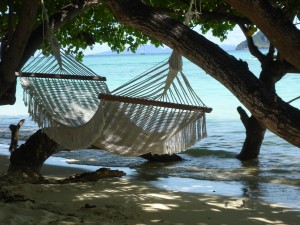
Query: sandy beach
[(127, 201)]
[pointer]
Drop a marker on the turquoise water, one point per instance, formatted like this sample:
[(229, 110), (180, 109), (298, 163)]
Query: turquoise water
[(210, 166), (118, 69)]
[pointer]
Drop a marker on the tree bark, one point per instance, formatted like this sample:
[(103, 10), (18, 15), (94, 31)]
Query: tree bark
[(278, 28), (254, 137), (12, 54), (9, 97), (27, 160), (272, 71), (269, 109)]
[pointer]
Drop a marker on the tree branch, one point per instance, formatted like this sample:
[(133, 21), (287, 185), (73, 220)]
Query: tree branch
[(243, 115), (278, 28), (288, 68), (252, 47), (271, 51)]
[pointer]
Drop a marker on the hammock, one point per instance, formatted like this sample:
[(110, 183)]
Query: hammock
[(157, 111)]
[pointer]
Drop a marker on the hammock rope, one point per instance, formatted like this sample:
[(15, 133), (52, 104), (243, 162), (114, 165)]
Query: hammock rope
[(157, 111)]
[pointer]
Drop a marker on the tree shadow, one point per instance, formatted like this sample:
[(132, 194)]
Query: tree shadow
[(125, 201)]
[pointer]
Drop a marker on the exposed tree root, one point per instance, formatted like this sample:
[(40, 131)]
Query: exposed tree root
[(92, 176)]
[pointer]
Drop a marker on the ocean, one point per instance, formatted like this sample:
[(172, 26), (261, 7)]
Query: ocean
[(210, 166)]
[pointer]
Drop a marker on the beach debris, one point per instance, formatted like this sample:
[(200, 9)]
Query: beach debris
[(7, 197), (93, 176), (161, 158), (88, 206)]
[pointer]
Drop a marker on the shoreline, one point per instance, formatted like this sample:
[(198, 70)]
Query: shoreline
[(62, 168), (129, 201)]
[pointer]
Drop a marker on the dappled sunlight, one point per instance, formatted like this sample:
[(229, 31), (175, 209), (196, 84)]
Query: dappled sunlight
[(232, 204), (266, 221), (217, 210), (155, 207), (136, 202), (163, 196), (84, 113), (90, 196)]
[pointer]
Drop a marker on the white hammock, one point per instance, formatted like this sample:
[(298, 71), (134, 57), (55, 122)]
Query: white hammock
[(156, 112)]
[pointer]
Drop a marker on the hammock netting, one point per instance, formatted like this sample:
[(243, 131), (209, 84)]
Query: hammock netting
[(157, 111)]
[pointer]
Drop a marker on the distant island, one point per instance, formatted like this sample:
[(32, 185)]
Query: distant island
[(141, 50), (151, 49), (260, 40)]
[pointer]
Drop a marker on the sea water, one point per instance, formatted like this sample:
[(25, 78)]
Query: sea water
[(210, 166)]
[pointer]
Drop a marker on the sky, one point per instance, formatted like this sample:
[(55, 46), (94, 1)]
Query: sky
[(234, 38)]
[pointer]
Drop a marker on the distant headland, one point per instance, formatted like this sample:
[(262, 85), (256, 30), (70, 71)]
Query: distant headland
[(260, 40)]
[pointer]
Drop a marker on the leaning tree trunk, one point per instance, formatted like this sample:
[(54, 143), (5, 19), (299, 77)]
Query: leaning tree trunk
[(27, 160), (12, 52)]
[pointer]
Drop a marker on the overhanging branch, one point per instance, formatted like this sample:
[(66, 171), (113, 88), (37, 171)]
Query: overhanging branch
[(252, 47), (264, 104), (278, 27)]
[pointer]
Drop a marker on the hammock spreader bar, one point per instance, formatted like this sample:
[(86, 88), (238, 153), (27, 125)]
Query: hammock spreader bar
[(141, 101), (60, 76)]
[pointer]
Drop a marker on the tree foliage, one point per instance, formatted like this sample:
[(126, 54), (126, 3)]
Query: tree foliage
[(94, 25), (98, 25)]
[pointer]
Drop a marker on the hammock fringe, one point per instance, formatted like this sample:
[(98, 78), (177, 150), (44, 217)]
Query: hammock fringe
[(148, 120), (67, 136)]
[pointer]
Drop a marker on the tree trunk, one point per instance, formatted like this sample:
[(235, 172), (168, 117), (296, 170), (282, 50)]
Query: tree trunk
[(12, 52), (254, 137), (27, 160), (268, 108), (272, 71)]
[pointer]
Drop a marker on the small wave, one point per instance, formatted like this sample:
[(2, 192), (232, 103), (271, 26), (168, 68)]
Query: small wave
[(202, 152), (98, 157)]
